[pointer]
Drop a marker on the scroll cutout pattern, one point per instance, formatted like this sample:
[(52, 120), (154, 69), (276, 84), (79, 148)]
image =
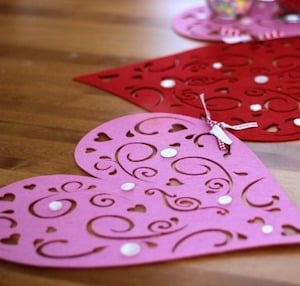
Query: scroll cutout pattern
[(263, 22), (143, 205), (257, 81)]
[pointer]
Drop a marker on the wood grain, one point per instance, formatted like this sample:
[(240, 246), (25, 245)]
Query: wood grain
[(43, 114)]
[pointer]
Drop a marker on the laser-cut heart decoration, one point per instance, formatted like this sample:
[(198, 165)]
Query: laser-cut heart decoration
[(257, 81), (264, 21), (164, 191)]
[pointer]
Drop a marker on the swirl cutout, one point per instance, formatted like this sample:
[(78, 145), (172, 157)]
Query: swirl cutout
[(195, 66), (161, 226), (37, 207), (106, 164), (184, 204), (281, 104), (181, 166), (204, 80), (133, 156), (199, 137), (151, 192), (102, 200), (286, 62), (125, 225), (42, 252), (12, 222), (135, 153), (206, 166), (186, 97), (245, 197), (222, 103), (144, 172), (71, 186), (228, 236), (255, 91), (151, 94), (216, 185)]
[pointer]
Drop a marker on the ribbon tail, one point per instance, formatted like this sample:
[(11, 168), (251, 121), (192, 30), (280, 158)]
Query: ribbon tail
[(218, 132), (239, 126)]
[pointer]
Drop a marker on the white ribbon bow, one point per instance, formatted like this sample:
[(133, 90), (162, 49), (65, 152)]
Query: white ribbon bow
[(218, 127)]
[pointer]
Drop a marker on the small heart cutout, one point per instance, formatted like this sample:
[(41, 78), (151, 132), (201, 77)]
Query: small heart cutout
[(90, 150), (137, 208), (8, 197), (11, 240), (177, 127), (30, 187), (50, 229), (174, 182), (101, 137)]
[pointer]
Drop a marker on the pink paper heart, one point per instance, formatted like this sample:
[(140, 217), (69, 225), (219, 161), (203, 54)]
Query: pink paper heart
[(263, 22), (164, 191)]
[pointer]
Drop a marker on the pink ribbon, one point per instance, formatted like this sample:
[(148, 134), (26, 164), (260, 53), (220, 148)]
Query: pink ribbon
[(218, 128)]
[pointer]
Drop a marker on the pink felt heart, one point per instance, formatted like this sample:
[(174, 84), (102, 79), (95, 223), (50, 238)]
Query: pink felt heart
[(164, 191), (263, 22), (257, 81)]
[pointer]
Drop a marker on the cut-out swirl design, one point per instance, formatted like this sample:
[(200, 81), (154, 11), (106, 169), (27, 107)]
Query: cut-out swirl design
[(60, 247), (176, 203), (199, 166), (37, 208), (227, 237), (102, 200), (269, 204), (184, 204), (124, 227), (12, 222), (135, 153)]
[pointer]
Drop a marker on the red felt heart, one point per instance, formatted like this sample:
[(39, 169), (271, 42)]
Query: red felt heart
[(290, 6), (257, 81)]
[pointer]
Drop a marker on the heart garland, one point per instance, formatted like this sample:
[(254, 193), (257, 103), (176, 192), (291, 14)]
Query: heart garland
[(256, 81), (162, 190)]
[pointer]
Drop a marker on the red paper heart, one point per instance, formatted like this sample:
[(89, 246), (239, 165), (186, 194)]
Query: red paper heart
[(290, 6), (257, 81)]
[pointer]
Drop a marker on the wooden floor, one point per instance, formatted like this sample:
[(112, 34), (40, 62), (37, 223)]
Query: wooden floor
[(43, 114)]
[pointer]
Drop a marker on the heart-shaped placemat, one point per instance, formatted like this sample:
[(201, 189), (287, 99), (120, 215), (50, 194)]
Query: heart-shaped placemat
[(263, 23), (164, 192), (256, 81)]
